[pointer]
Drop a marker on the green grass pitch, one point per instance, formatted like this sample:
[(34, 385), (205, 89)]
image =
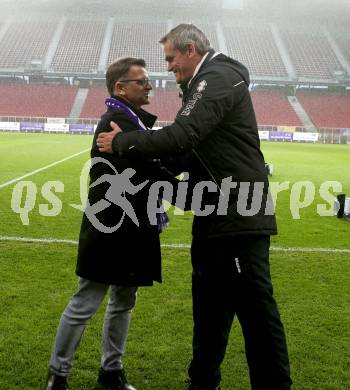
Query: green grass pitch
[(37, 279)]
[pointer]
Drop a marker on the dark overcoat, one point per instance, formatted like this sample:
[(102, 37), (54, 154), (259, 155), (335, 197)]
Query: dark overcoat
[(131, 255)]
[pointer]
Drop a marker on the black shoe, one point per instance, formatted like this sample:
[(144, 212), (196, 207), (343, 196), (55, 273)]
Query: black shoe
[(56, 382), (193, 386), (114, 380)]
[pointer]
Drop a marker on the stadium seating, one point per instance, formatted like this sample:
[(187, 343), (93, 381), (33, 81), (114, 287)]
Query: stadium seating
[(251, 42), (254, 45), (79, 48), (36, 100), (310, 52), (328, 110), (94, 105), (165, 103), (25, 41), (272, 108), (342, 37), (209, 31), (139, 39)]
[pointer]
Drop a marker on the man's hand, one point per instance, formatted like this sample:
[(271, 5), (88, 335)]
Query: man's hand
[(104, 140)]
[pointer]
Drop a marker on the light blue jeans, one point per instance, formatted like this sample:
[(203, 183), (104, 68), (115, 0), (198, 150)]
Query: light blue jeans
[(81, 308)]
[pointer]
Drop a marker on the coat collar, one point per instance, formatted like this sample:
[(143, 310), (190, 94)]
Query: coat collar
[(202, 64), (198, 67)]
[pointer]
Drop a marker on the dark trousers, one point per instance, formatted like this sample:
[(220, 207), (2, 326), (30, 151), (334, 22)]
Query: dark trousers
[(231, 276)]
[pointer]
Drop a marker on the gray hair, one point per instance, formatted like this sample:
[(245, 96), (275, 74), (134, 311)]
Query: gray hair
[(183, 34)]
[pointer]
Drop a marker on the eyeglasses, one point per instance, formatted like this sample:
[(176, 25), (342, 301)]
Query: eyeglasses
[(142, 82)]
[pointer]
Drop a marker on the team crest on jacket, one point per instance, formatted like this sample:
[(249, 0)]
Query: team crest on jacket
[(196, 96), (201, 86)]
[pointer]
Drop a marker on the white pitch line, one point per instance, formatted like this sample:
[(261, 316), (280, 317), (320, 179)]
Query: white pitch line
[(175, 246), (302, 249), (42, 169), (39, 240)]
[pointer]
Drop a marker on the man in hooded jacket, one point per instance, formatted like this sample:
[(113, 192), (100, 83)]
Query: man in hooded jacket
[(215, 139)]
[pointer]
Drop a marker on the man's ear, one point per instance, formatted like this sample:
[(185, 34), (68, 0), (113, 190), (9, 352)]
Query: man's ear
[(191, 49), (119, 88)]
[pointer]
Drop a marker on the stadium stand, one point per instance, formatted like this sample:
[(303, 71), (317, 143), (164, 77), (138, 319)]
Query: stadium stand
[(24, 42), (343, 39), (255, 47), (272, 108), (209, 31), (36, 100), (139, 39), (79, 47), (326, 110), (94, 105), (165, 103), (253, 43), (310, 52)]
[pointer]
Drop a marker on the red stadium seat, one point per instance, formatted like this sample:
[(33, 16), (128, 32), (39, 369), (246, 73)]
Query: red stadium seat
[(329, 110), (272, 108), (165, 103), (94, 105), (36, 100)]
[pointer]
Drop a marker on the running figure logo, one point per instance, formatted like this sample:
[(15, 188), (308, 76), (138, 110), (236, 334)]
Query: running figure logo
[(120, 185)]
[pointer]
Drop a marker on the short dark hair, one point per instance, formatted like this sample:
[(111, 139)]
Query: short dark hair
[(184, 34), (119, 69)]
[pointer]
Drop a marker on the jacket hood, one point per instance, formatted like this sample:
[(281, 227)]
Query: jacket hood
[(236, 65), (222, 58)]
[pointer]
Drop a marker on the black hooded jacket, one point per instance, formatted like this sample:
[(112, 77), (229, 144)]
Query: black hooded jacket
[(214, 137)]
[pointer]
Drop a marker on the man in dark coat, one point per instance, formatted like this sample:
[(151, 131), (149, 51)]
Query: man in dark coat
[(216, 132), (116, 214)]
